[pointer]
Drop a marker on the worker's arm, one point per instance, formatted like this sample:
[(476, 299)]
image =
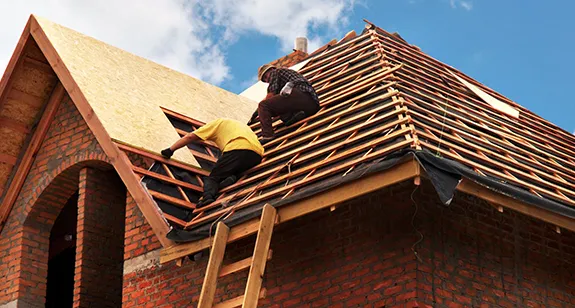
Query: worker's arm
[(255, 114), (187, 139)]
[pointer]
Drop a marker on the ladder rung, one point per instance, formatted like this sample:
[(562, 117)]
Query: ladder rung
[(237, 302), (240, 265)]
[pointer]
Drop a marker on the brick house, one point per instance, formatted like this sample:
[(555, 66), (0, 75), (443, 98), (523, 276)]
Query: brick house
[(413, 186)]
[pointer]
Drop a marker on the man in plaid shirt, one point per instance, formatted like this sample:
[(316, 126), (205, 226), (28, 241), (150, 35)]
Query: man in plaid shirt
[(291, 107)]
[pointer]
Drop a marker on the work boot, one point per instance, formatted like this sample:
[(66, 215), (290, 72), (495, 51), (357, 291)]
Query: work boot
[(205, 201), (210, 191), (298, 116), (228, 181), (265, 140)]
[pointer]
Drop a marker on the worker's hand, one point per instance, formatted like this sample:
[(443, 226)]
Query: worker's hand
[(167, 153)]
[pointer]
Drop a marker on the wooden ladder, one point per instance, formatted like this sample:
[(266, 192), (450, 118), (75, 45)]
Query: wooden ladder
[(256, 264)]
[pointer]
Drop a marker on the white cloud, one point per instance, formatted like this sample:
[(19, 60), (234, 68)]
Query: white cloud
[(160, 30), (285, 19), (465, 4), (179, 33)]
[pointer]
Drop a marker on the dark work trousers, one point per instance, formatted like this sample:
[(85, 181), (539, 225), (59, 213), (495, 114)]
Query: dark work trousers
[(284, 106), (230, 163)]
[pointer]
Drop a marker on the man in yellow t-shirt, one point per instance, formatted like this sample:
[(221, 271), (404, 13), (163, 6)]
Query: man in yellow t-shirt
[(240, 147)]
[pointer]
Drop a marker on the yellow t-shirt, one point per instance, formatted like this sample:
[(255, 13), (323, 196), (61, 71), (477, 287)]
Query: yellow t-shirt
[(230, 135)]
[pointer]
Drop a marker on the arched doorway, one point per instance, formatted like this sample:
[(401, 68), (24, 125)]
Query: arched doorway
[(77, 228), (62, 257)]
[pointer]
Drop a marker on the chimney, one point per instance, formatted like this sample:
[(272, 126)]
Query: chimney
[(301, 44)]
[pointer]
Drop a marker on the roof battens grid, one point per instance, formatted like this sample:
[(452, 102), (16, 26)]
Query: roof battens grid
[(315, 142), (318, 176), (478, 117), (386, 64), (365, 82), (508, 158), (501, 165), (406, 56), (422, 60), (373, 81), (482, 140), (472, 117), (316, 154)]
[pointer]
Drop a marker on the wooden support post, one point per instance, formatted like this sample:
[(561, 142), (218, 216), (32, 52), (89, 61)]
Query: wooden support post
[(258, 267), (214, 264)]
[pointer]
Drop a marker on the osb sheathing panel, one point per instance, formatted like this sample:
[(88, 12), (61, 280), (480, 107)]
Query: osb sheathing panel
[(34, 81), (12, 141), (126, 92), (19, 111)]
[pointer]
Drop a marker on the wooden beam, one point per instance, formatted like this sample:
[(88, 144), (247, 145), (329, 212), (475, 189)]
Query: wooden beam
[(30, 153), (259, 258), (484, 193), (214, 264), (402, 172), (182, 117), (166, 179), (172, 200), (162, 159), (14, 125), (118, 158)]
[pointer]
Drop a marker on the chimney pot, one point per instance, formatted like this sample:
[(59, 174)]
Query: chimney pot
[(301, 44)]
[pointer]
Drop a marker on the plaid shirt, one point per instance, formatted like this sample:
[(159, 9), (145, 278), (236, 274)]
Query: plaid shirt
[(280, 76)]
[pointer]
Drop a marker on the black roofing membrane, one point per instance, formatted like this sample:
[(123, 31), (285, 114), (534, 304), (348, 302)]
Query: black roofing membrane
[(445, 175)]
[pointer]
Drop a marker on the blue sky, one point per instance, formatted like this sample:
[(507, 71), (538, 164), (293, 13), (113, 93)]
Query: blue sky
[(522, 49)]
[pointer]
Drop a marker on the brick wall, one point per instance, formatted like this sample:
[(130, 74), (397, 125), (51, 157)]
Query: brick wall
[(361, 255), (475, 256), (100, 243), (68, 146), (139, 236)]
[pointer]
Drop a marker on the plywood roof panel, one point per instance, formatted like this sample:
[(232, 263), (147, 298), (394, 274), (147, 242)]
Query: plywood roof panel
[(127, 91)]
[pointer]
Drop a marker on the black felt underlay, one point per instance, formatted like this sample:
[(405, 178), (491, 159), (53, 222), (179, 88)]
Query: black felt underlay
[(443, 173)]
